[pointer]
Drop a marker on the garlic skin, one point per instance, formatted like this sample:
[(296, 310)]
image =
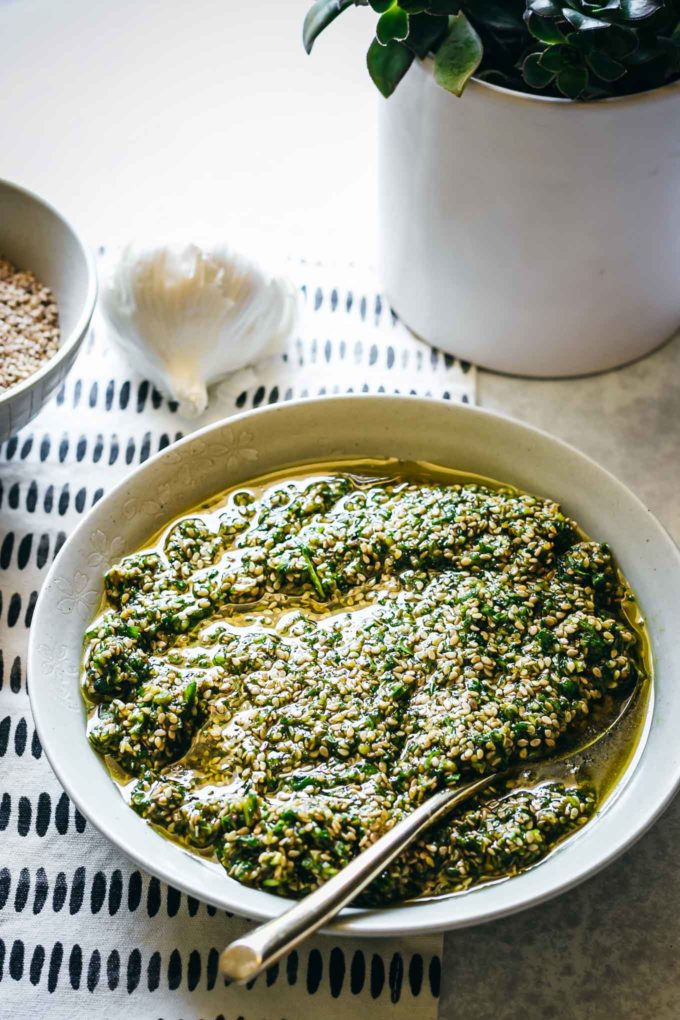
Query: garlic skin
[(188, 315)]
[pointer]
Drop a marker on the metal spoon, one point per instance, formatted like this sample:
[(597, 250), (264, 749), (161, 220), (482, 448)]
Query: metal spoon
[(247, 957)]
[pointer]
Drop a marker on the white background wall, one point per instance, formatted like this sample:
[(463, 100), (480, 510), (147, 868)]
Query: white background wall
[(127, 112)]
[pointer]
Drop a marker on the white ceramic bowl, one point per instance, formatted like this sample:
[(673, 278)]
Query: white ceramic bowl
[(250, 444), (35, 236)]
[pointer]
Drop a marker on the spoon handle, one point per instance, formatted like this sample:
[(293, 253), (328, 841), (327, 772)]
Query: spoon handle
[(247, 957)]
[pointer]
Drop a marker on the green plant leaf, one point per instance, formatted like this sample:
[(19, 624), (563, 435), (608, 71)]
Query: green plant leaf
[(443, 7), (604, 66), (388, 64), (555, 59), (582, 22), (672, 47), (495, 14), (543, 29), (572, 81), (414, 6), (380, 6), (612, 5), (320, 16), (424, 32), (459, 55), (393, 24), (643, 55), (584, 42), (620, 42), (535, 74), (636, 10), (545, 8)]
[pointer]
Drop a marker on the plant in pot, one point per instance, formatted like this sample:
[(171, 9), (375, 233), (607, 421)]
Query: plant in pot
[(532, 226)]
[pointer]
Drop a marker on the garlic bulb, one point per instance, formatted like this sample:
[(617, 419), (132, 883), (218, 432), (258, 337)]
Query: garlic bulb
[(188, 315)]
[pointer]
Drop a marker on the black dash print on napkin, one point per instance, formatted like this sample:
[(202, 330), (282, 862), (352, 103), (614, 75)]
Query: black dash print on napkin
[(18, 736), (415, 974), (17, 552), (38, 815), (314, 971), (95, 892), (133, 969), (10, 672), (377, 976), (357, 972), (56, 500), (11, 448), (17, 610), (99, 448), (292, 966)]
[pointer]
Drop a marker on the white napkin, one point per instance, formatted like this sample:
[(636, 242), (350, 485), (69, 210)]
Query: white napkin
[(83, 933)]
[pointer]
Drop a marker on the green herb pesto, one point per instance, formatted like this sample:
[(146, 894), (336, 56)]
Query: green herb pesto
[(284, 673)]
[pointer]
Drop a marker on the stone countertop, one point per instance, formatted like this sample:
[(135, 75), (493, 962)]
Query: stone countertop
[(628, 420), (610, 947)]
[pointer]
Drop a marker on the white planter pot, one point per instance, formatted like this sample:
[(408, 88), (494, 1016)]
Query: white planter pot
[(531, 235)]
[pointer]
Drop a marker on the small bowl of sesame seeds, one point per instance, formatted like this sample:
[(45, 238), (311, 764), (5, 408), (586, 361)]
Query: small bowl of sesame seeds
[(48, 290)]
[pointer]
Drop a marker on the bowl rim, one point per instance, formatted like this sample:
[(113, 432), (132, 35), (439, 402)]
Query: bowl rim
[(380, 922), (89, 299)]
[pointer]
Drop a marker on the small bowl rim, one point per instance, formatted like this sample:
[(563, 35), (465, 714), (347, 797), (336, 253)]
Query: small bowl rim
[(78, 331)]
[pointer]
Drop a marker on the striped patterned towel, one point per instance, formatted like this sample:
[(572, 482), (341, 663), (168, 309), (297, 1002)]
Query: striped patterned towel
[(83, 933)]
